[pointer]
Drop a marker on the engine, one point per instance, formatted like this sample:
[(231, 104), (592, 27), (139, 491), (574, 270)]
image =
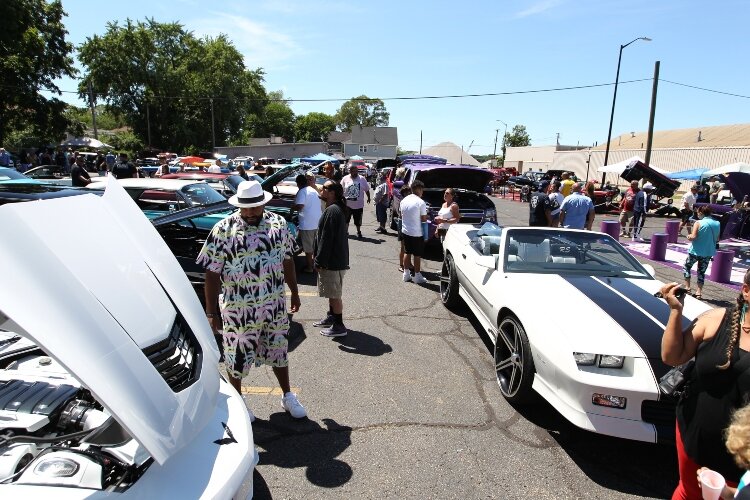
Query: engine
[(53, 431)]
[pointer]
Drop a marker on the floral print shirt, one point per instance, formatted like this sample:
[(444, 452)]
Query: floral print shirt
[(250, 260)]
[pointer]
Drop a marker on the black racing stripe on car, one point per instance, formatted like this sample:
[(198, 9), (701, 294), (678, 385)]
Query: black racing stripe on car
[(642, 329), (656, 307)]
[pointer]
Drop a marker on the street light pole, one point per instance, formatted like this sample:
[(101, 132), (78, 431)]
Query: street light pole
[(614, 98), (504, 134), (494, 151)]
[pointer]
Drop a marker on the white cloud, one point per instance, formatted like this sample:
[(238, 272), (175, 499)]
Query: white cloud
[(261, 45), (539, 8)]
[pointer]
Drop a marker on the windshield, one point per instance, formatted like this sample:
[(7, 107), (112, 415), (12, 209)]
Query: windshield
[(569, 252), (201, 193), (8, 174)]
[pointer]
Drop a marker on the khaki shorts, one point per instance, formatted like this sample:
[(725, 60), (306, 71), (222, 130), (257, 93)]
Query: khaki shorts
[(330, 283), (308, 239)]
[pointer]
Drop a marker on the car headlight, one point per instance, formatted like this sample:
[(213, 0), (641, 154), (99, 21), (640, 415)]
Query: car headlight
[(584, 358), (611, 361), (57, 467), (490, 214)]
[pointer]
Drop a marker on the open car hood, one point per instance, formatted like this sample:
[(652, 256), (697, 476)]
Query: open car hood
[(281, 174), (192, 212), (738, 184), (100, 296), (469, 178)]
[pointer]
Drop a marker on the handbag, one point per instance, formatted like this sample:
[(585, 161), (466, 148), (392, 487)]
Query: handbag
[(675, 382)]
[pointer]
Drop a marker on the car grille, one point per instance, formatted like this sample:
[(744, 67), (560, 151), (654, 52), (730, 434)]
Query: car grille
[(660, 412), (178, 357)]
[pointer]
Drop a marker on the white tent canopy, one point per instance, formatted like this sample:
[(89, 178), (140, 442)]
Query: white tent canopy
[(453, 153), (85, 141), (732, 167), (618, 168)]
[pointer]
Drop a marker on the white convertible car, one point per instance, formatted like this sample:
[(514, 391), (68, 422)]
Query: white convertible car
[(109, 381), (573, 316)]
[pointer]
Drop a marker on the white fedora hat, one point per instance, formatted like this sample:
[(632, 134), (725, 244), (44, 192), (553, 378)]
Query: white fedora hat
[(250, 194)]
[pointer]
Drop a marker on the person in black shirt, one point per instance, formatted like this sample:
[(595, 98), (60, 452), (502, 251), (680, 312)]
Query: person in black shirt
[(331, 257), (78, 174), (123, 169), (539, 206)]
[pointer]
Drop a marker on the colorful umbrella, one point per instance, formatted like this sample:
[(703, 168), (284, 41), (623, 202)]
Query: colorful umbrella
[(191, 159)]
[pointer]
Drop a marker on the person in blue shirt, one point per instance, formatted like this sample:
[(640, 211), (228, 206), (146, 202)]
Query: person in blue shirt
[(703, 239), (577, 210), (640, 209)]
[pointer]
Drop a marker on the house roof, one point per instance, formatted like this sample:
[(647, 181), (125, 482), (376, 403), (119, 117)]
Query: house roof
[(387, 136), (696, 137), (452, 153), (337, 136)]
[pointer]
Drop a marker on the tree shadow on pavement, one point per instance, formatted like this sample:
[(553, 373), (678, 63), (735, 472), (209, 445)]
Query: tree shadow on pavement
[(356, 342), (290, 444)]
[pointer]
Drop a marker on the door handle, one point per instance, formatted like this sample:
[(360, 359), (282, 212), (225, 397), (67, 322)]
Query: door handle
[(463, 255)]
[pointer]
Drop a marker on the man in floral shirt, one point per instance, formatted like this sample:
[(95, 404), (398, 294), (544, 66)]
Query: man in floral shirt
[(248, 256)]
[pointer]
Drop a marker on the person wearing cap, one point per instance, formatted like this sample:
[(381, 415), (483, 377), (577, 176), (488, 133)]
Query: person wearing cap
[(626, 209), (356, 188), (248, 256), (577, 210), (78, 175), (640, 208), (686, 209), (540, 211)]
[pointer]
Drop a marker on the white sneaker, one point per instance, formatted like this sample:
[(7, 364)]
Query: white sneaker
[(419, 279), (407, 276), (289, 403)]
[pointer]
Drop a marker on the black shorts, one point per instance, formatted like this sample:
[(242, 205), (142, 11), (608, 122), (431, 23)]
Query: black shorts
[(685, 214), (414, 245), (356, 213)]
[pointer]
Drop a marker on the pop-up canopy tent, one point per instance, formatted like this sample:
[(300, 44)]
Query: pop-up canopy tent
[(85, 142), (693, 174), (356, 157), (732, 167), (319, 158)]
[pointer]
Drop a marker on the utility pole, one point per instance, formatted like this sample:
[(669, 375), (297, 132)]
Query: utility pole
[(213, 133), (148, 124), (420, 142), (652, 114), (93, 109), (558, 138), (494, 151)]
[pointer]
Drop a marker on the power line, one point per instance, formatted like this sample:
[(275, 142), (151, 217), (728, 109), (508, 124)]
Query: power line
[(706, 90)]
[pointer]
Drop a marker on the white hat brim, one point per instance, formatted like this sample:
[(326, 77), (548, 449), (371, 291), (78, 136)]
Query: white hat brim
[(234, 200)]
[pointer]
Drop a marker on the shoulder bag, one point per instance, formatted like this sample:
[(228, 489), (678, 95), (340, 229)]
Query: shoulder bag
[(675, 382)]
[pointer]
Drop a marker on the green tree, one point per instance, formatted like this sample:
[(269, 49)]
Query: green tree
[(277, 118), (159, 77), (126, 142), (33, 53), (362, 111), (314, 127)]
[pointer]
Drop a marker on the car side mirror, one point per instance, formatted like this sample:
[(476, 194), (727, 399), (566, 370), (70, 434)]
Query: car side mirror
[(650, 269), (488, 261)]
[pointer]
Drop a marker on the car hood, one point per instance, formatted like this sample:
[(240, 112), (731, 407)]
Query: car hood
[(738, 184), (192, 212), (471, 179), (276, 177), (94, 294), (600, 315)]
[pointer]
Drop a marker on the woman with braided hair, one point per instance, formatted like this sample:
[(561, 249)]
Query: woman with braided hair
[(719, 339)]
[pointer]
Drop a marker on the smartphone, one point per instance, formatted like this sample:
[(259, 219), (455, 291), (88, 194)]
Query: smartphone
[(679, 292)]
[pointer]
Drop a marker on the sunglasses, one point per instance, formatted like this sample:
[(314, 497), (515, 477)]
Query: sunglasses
[(328, 188)]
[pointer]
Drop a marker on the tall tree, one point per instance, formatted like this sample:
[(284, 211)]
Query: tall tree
[(33, 53), (172, 86), (314, 127), (516, 138), (277, 118), (362, 111)]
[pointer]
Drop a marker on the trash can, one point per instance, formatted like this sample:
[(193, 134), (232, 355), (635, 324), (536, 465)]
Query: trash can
[(672, 228), (658, 248), (611, 227), (721, 266)]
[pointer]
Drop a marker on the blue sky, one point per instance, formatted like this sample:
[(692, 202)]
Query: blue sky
[(313, 49)]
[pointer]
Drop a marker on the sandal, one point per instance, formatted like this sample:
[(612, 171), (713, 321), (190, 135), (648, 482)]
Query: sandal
[(698, 296), (401, 269)]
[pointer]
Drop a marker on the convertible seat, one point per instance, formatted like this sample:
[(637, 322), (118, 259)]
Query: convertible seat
[(534, 252)]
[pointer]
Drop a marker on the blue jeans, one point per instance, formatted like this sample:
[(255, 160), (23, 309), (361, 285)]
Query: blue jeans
[(702, 266)]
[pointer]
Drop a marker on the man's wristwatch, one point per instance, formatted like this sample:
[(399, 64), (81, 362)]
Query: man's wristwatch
[(211, 315)]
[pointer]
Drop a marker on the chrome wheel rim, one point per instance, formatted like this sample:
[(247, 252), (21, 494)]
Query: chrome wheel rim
[(445, 280), (509, 357)]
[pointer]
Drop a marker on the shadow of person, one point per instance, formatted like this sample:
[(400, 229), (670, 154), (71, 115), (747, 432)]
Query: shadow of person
[(356, 342), (296, 334), (366, 239), (305, 443)]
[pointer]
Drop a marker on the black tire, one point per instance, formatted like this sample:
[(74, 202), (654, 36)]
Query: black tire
[(514, 365), (449, 285)]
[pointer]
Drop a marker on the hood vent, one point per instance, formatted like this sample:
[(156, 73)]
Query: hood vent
[(178, 357)]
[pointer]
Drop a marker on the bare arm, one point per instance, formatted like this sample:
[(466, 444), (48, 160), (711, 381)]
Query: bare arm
[(290, 276), (677, 346), (211, 289), (455, 213), (590, 219), (694, 232)]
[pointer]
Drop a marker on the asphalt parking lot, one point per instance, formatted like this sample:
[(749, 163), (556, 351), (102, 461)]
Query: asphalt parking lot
[(407, 404)]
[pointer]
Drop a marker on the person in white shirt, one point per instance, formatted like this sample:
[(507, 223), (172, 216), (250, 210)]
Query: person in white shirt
[(413, 214), (686, 210), (555, 202), (307, 204), (355, 188)]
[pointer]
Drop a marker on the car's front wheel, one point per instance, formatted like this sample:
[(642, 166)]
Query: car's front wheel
[(514, 366), (449, 284)]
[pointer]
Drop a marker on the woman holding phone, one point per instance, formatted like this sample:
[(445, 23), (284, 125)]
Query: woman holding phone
[(719, 340)]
